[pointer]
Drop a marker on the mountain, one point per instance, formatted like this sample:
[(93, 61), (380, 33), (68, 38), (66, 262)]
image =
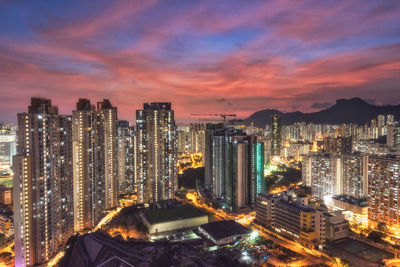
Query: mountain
[(353, 110)]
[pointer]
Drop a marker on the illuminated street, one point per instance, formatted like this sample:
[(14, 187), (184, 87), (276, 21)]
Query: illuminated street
[(187, 160), (106, 219), (313, 256)]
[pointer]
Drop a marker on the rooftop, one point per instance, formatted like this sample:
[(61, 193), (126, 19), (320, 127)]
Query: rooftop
[(223, 229), (361, 202), (294, 205), (154, 216)]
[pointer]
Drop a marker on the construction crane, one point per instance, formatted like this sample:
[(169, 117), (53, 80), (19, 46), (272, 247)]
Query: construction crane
[(223, 116)]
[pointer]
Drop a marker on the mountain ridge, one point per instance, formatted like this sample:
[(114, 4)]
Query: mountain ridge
[(354, 110)]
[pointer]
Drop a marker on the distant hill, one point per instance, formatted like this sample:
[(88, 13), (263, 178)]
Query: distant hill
[(353, 110)]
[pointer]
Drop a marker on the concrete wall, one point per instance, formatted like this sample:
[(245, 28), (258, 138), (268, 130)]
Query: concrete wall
[(178, 224)]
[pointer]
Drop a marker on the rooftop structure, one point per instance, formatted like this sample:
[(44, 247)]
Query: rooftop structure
[(224, 232), (175, 218)]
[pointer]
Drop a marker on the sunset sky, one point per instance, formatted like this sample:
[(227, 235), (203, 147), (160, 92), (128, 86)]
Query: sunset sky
[(203, 56)]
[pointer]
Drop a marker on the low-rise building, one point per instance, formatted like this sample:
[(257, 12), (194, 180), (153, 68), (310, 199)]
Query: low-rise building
[(264, 209), (355, 210), (224, 232), (5, 195), (336, 226), (293, 217), (5, 224)]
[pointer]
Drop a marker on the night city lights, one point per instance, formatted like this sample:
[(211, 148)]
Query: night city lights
[(200, 133)]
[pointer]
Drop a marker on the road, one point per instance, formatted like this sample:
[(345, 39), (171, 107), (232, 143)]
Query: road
[(313, 256), (106, 219)]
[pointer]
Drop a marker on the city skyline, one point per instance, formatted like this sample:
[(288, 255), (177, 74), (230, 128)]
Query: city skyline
[(223, 57), (212, 133)]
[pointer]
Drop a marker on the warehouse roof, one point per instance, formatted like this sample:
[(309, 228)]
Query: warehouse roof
[(154, 216), (224, 229)]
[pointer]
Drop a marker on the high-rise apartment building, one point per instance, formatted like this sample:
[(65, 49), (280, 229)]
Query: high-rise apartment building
[(183, 139), (7, 145), (95, 162), (256, 168), (211, 130), (43, 213), (393, 135), (126, 148), (156, 170), (384, 191), (341, 144), (276, 139), (322, 172), (389, 119), (197, 138), (332, 174), (107, 138), (354, 175), (235, 166), (88, 200), (66, 177)]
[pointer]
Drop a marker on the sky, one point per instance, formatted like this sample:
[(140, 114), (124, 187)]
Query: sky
[(221, 56)]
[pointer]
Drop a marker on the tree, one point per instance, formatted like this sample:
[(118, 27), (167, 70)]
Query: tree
[(376, 236), (6, 257), (382, 227)]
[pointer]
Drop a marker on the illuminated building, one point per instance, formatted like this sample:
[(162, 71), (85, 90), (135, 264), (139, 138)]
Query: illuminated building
[(107, 142), (325, 178), (156, 171), (306, 170), (6, 195), (210, 154), (126, 146), (197, 138), (87, 193), (292, 216), (295, 151), (389, 119), (393, 135), (276, 138), (183, 137), (381, 121), (354, 175), (384, 191), (7, 146), (42, 183), (354, 209), (224, 232), (95, 161), (65, 166), (341, 144), (257, 181), (235, 165), (264, 209), (5, 225), (333, 174)]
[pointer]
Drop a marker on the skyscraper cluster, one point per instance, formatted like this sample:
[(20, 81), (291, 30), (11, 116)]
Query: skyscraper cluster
[(191, 138), (358, 176), (234, 166), (70, 169)]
